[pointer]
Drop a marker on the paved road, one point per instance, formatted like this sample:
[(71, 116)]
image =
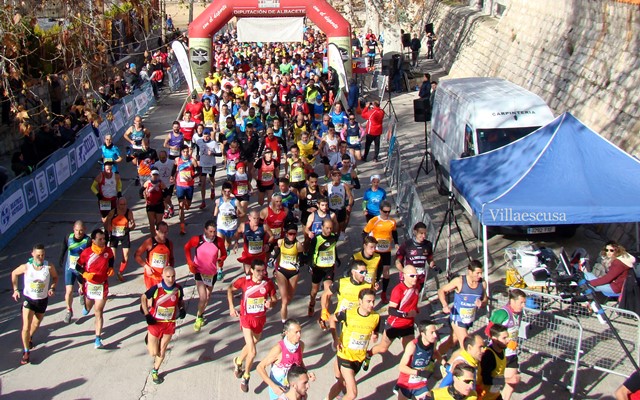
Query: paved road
[(66, 366)]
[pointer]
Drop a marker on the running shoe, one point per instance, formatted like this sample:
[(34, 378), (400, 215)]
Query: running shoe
[(366, 362), (84, 310), (67, 316), (98, 343), (244, 384), (120, 277), (166, 214), (198, 324), (157, 379), (82, 301), (25, 358), (203, 205), (172, 212), (220, 275), (312, 309), (237, 368)]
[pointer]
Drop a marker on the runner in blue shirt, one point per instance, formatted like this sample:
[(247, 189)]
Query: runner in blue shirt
[(372, 198)]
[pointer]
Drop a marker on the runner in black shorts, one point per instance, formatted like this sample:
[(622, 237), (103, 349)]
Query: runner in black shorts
[(119, 223), (324, 258)]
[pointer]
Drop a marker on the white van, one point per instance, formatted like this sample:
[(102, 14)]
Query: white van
[(472, 116)]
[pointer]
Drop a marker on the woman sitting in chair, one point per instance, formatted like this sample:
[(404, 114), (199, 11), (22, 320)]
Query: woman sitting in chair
[(619, 264)]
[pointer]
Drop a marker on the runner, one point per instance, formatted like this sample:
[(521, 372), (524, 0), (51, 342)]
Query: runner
[(347, 290), (313, 226), (208, 149), (359, 326), (470, 354), (268, 170), (383, 228), (298, 378), (462, 387), (72, 246), (227, 213), (187, 127), (416, 251), (39, 283), (470, 295), (418, 363), (274, 216), (287, 262), (107, 187), (309, 197), (328, 148), (144, 159), (493, 364), (164, 167), (209, 255), (154, 191), (308, 149), (369, 256), (289, 197), (96, 266), (340, 201), (403, 308), (174, 141), (352, 134), (184, 173), (324, 258), (372, 198), (232, 157), (258, 296), (119, 223), (159, 254), (282, 357), (348, 173), (255, 240), (111, 152), (136, 132), (162, 305), (295, 169), (241, 188), (510, 316)]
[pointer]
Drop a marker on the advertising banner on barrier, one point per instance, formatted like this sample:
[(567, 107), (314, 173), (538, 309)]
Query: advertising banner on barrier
[(118, 120), (11, 209), (41, 187), (30, 195)]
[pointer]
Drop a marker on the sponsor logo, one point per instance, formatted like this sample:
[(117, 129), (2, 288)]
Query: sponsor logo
[(509, 215), (199, 56)]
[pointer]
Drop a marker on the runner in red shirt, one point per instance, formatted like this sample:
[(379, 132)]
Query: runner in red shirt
[(274, 216), (258, 295), (162, 305), (96, 266)]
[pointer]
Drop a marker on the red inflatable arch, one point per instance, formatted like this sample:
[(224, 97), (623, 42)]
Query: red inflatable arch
[(219, 12)]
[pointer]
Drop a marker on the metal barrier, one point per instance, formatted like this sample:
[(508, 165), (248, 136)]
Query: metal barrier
[(551, 338)]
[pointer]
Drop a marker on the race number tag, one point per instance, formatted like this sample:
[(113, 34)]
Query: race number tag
[(95, 291), (117, 231), (353, 140), (346, 305), (207, 170), (383, 245), (185, 176), (37, 287), (207, 279), (255, 247), (288, 261), (467, 315), (326, 257), (243, 189), (105, 205), (277, 232), (72, 262), (174, 152), (336, 202), (165, 313), (158, 260), (358, 341), (255, 305)]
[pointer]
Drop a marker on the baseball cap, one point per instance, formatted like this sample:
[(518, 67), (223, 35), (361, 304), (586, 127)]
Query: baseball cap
[(376, 176), (240, 165), (155, 171), (194, 96)]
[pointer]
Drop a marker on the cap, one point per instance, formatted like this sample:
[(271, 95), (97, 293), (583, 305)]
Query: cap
[(267, 150), (155, 172), (376, 176), (240, 165), (319, 97), (194, 96)]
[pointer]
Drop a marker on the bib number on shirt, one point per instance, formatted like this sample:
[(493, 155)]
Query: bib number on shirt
[(326, 258), (242, 190), (95, 291), (37, 287), (158, 260), (255, 305), (105, 205), (383, 245), (288, 261), (174, 152), (358, 341), (353, 140), (467, 315), (72, 262), (165, 313), (117, 231), (207, 279), (207, 170), (255, 247), (267, 176), (336, 202)]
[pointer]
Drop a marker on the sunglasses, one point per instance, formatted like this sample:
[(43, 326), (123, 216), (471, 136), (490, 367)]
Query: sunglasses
[(411, 275), (363, 272), (385, 211), (610, 250), (292, 233)]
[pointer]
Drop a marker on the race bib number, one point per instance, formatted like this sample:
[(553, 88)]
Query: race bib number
[(174, 152), (242, 190), (267, 176), (72, 261), (358, 341), (346, 305), (420, 271), (207, 279), (105, 205), (353, 140), (276, 232), (255, 247), (288, 261), (413, 379), (95, 291), (207, 170), (36, 287), (255, 305), (326, 257), (165, 313), (158, 260), (118, 231), (467, 315), (185, 176), (336, 202), (383, 245), (297, 175), (368, 278)]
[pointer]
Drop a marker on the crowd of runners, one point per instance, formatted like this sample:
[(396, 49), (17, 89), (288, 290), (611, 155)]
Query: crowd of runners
[(272, 120)]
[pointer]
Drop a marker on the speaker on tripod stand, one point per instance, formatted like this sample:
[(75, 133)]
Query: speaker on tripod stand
[(422, 113)]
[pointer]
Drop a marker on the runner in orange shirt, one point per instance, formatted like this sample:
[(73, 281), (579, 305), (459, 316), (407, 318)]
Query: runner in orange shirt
[(159, 250), (383, 229)]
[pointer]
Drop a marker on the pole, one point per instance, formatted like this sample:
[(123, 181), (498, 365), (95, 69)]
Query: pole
[(190, 11), (485, 262), (163, 22)]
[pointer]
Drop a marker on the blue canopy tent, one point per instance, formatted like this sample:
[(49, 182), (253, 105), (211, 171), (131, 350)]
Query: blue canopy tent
[(563, 173)]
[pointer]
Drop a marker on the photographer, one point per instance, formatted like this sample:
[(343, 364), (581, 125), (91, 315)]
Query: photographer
[(620, 263)]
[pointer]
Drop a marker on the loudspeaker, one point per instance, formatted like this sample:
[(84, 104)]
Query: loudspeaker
[(421, 110), (406, 40), (428, 28)]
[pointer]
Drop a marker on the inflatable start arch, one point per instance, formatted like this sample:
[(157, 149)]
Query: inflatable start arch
[(219, 12)]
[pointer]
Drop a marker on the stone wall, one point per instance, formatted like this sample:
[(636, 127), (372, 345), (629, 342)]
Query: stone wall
[(581, 56)]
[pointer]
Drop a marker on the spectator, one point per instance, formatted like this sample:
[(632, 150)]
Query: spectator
[(18, 165), (431, 41), (354, 95), (374, 116), (415, 50), (425, 88)]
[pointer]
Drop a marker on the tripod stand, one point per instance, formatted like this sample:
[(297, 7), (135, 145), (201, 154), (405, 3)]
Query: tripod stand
[(424, 163), (392, 110), (449, 219)]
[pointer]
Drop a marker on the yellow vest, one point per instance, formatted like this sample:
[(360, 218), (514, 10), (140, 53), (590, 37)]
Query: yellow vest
[(288, 257), (493, 392), (348, 296), (443, 394), (356, 333), (372, 266), (208, 116), (296, 174)]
